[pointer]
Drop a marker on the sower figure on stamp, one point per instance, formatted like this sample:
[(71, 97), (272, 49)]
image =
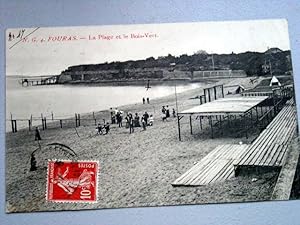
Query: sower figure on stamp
[(37, 136), (69, 185)]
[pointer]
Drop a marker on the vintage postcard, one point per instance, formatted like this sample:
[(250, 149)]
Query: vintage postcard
[(150, 115)]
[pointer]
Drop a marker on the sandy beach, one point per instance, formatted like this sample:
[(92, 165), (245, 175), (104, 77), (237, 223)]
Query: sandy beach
[(135, 169)]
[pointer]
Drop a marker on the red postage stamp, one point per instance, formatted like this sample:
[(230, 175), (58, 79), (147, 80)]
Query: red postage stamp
[(72, 181)]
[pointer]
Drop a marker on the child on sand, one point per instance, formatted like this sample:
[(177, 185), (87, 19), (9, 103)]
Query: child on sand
[(99, 128), (151, 120), (174, 113)]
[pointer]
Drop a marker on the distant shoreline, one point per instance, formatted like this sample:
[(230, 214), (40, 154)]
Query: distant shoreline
[(128, 82), (139, 82)]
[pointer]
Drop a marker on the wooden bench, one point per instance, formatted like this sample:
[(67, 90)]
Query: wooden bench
[(217, 166), (270, 147)]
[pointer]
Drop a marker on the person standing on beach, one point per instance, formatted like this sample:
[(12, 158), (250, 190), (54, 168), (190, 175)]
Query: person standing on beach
[(106, 127), (112, 115), (131, 124), (119, 118), (137, 120), (33, 166), (127, 120), (148, 100), (37, 134), (143, 100), (146, 116), (144, 122), (167, 112)]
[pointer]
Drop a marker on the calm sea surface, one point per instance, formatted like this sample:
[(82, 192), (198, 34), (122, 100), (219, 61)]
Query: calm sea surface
[(66, 100)]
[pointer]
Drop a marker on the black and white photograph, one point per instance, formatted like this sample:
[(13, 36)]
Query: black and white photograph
[(172, 114)]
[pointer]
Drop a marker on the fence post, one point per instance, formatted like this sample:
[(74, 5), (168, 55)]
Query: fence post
[(43, 125), (12, 126), (29, 125), (215, 92), (79, 120), (222, 90), (15, 125), (209, 99), (45, 121), (75, 119)]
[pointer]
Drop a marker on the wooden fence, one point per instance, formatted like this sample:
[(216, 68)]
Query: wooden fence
[(52, 122)]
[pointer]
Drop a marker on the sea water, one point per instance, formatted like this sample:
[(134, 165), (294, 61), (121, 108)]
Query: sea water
[(66, 100)]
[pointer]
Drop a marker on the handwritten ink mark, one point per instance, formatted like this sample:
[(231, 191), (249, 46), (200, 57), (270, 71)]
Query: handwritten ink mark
[(24, 37)]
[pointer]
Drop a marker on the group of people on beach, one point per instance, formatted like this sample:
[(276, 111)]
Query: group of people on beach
[(103, 129), (144, 101), (132, 122), (116, 116), (166, 113)]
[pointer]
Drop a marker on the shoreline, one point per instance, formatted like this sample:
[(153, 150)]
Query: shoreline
[(163, 82), (85, 114)]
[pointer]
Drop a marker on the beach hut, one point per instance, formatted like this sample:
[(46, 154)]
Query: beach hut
[(274, 82), (240, 89)]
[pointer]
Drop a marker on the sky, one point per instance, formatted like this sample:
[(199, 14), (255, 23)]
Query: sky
[(50, 50)]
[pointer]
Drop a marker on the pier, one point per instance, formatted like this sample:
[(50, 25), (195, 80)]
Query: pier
[(39, 80)]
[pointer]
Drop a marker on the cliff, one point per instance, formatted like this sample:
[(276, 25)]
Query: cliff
[(185, 67)]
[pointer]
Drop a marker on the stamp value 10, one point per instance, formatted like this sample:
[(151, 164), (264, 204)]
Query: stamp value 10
[(72, 181)]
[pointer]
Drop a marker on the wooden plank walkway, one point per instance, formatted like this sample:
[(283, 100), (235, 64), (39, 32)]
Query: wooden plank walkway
[(270, 147), (217, 166), (284, 184)]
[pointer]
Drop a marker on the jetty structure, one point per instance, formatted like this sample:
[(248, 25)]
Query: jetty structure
[(39, 80)]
